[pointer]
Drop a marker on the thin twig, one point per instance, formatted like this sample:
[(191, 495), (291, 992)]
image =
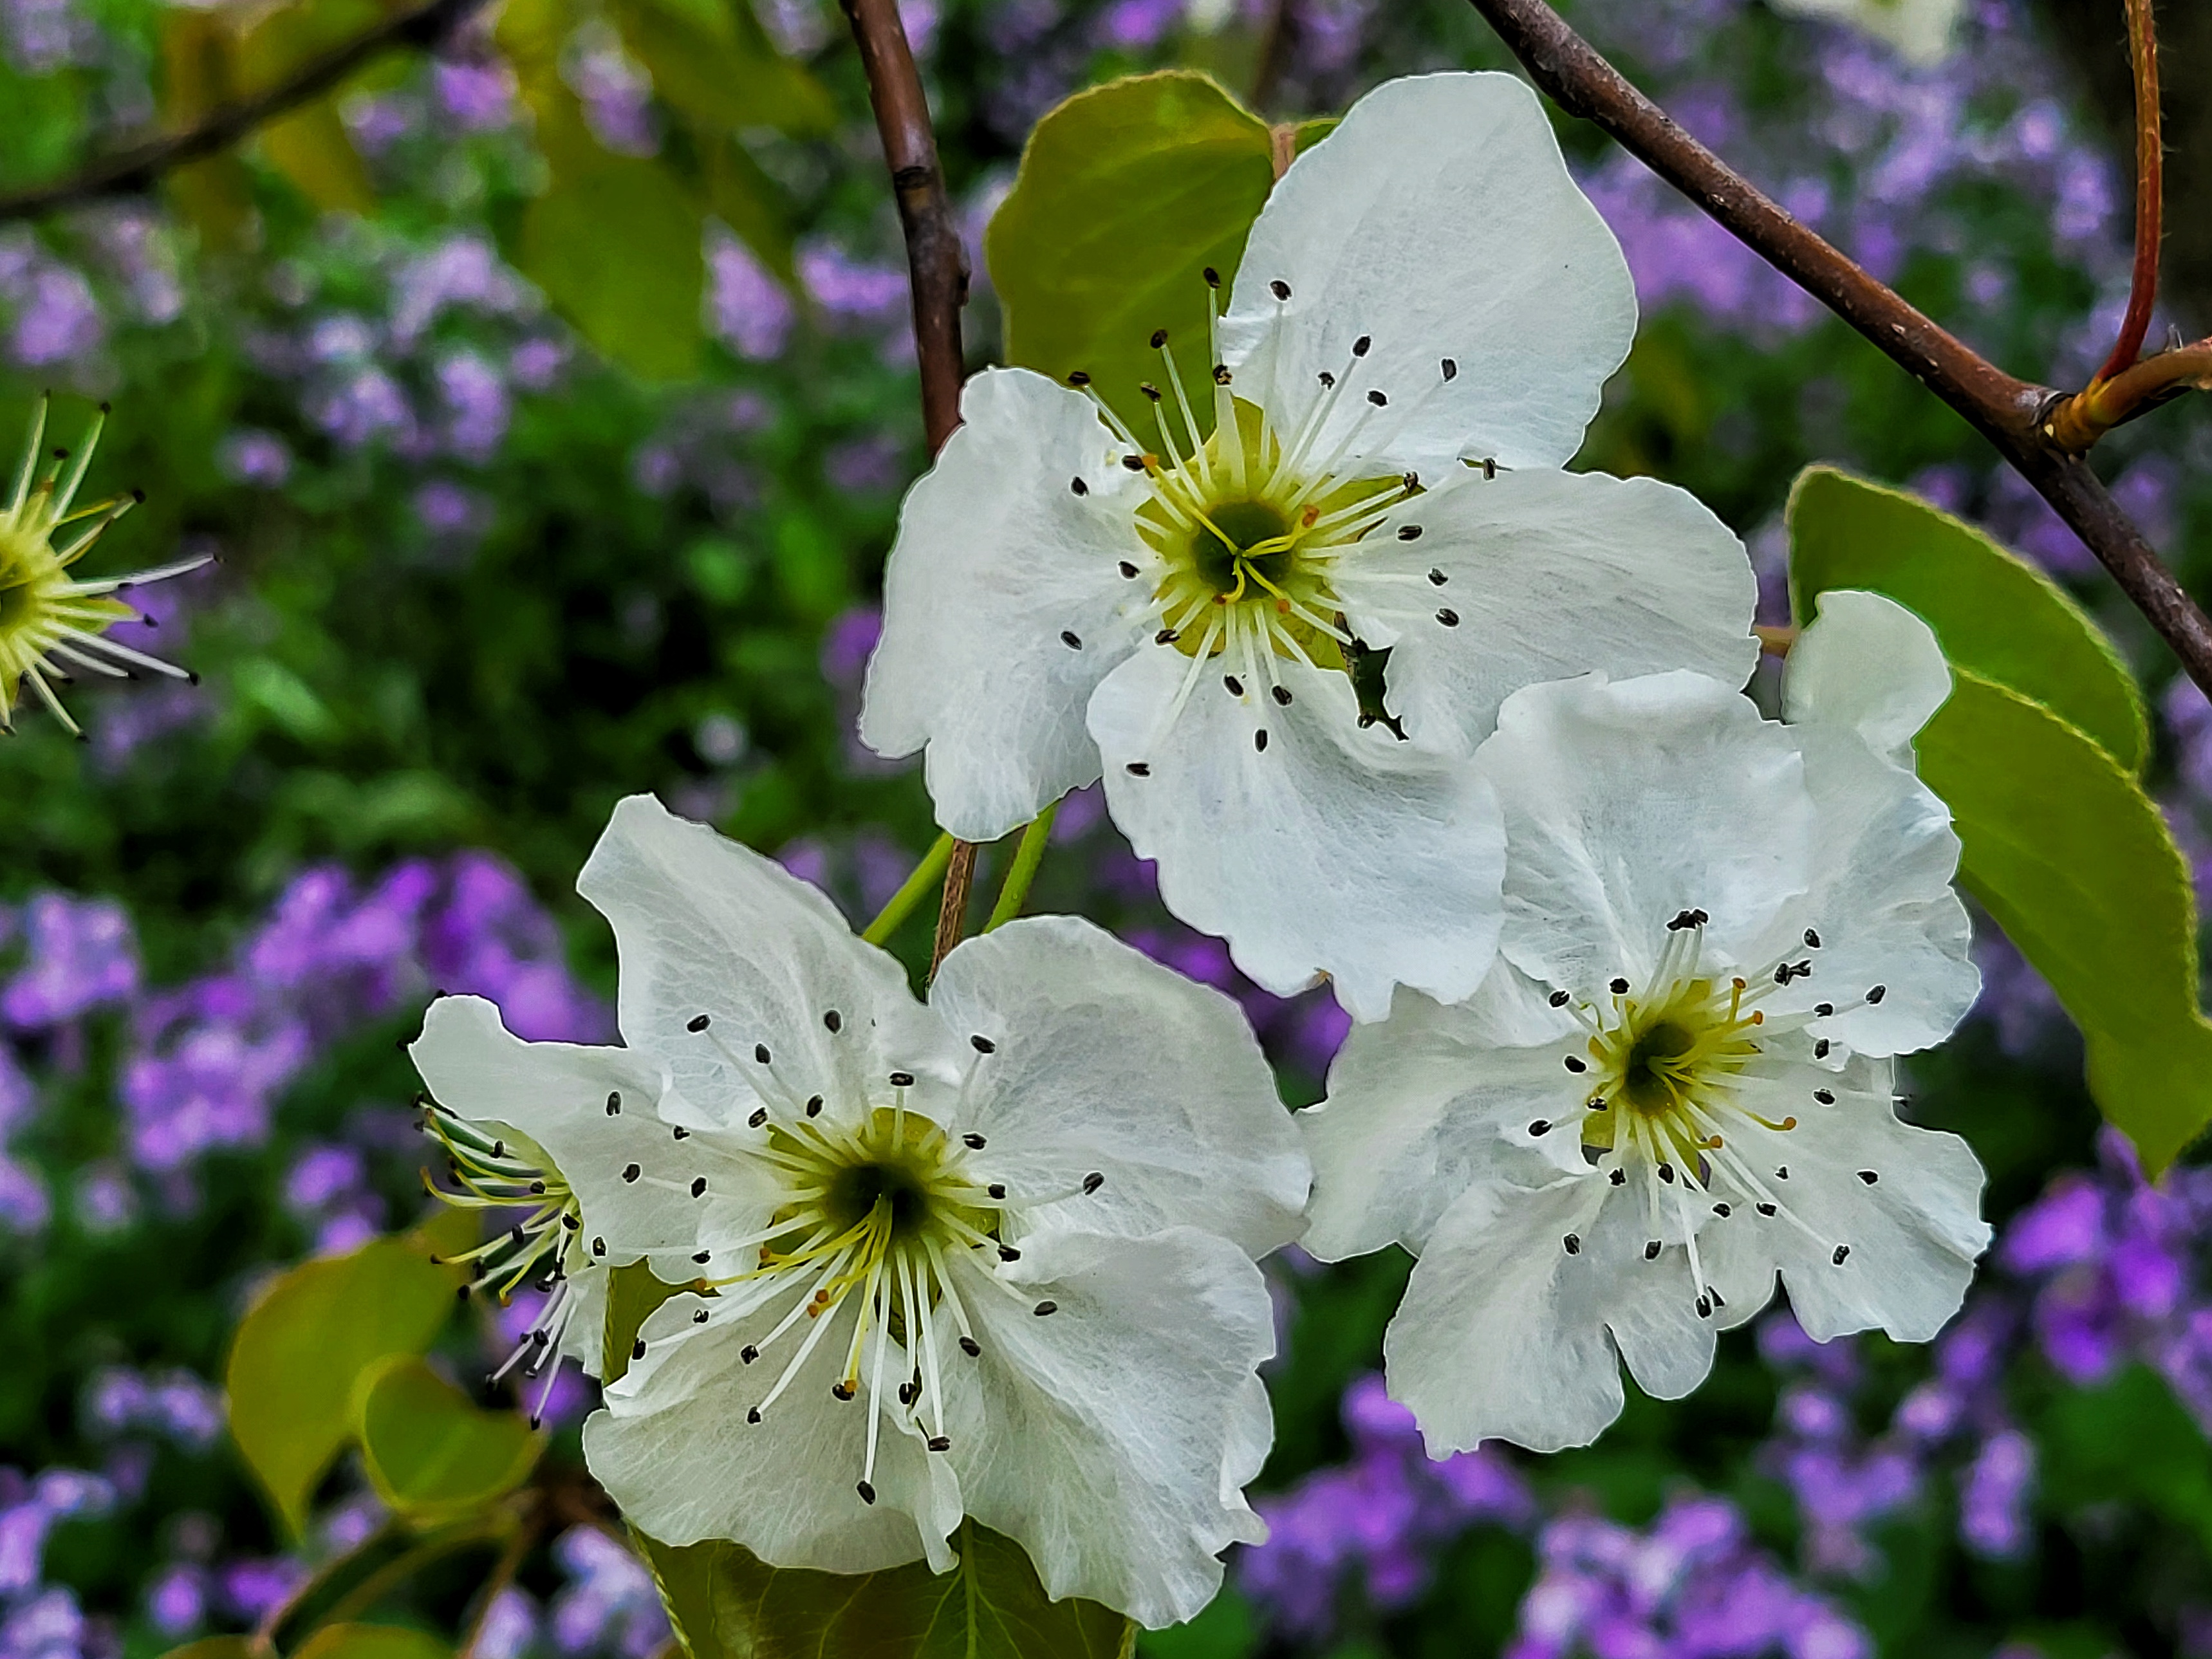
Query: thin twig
[(937, 269), (137, 168), (2077, 424), (2150, 193), (2014, 415)]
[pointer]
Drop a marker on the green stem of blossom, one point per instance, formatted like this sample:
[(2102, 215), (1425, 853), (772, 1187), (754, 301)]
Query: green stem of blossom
[(916, 887), (1027, 857)]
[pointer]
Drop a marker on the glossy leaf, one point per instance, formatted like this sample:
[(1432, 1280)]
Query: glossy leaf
[(1127, 193), (428, 1450), (1995, 614), (303, 1346), (729, 1606), (2073, 860), (372, 1642)]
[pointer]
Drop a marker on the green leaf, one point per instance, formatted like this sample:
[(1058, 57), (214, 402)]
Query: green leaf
[(750, 203), (430, 1453), (372, 1642), (2073, 860), (214, 1647), (728, 1606), (2128, 1439), (304, 1344), (1127, 193), (1996, 615), (632, 1293), (712, 60)]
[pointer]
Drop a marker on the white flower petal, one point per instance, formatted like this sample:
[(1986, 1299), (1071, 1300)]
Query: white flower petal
[(1103, 1062), (998, 564), (1626, 803), (1333, 850), (1868, 664), (1504, 1333), (704, 926), (1921, 30), (674, 1451), (1546, 575), (1439, 220), (1105, 1430), (557, 1094), (1415, 1106), (1913, 1233), (583, 1338)]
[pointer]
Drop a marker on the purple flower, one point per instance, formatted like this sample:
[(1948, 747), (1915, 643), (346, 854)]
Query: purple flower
[(477, 406), (56, 318), (461, 272), (747, 308), (847, 644), (80, 955), (475, 95), (610, 1600), (1993, 1518), (261, 459)]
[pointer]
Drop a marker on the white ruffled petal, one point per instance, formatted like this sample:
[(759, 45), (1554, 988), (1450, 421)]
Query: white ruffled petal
[(999, 565), (1100, 1437), (1439, 221), (703, 926), (1545, 576), (1629, 802), (1870, 666), (674, 1451), (1330, 850), (1415, 1107), (1100, 1060)]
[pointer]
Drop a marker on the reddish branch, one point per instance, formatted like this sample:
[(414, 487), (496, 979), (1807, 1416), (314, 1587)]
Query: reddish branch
[(937, 267), (2150, 193), (2016, 415), (137, 168)]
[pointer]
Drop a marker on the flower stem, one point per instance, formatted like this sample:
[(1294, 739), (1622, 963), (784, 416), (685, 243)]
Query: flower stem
[(952, 904), (900, 906), (2150, 192), (1027, 857)]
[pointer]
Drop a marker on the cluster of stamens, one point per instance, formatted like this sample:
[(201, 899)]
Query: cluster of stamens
[(1665, 1064), (877, 1206)]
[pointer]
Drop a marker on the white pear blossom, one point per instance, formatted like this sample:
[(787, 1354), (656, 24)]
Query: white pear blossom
[(1921, 30), (992, 1256), (1677, 1082), (1426, 310)]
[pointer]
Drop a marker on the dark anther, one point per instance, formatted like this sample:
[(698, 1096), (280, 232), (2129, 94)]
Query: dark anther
[(1008, 1253), (1138, 770), (1811, 938), (1574, 1244), (1574, 1063), (1378, 399), (1764, 1209), (867, 1493), (1411, 533), (1704, 1308), (598, 1247), (1722, 1211), (699, 1317), (1282, 696), (907, 1392), (1212, 276), (1280, 289), (1234, 686), (696, 1023), (1447, 616), (1619, 1177), (703, 1257), (1870, 1176), (1093, 1181), (1842, 1250), (1078, 486), (835, 1021), (1820, 1049), (1620, 987), (1451, 369), (538, 1187), (1159, 338), (842, 1390), (972, 1141), (1221, 374), (614, 1103), (1133, 463), (1148, 390), (1542, 1126), (1823, 1009), (1782, 1172), (631, 1172), (1558, 999), (982, 1045), (1438, 579), (1069, 638), (681, 1134), (1166, 636), (461, 1292), (997, 1189), (1128, 569), (759, 1053), (1259, 740), (902, 1080), (1043, 1309), (752, 1414), (939, 1442), (1078, 378), (1359, 346), (1667, 1173), (637, 1349), (570, 1222), (1328, 380), (1826, 1098), (748, 1353), (1652, 1249), (814, 1105), (1877, 993), (1489, 468), (759, 1117), (969, 1346)]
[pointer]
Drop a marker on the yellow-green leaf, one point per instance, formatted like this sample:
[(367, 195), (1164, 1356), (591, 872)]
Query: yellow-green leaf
[(1995, 614), (311, 148), (1127, 193), (722, 77), (214, 1647), (303, 1344), (432, 1454), (749, 203), (2073, 860), (372, 1642), (729, 1606)]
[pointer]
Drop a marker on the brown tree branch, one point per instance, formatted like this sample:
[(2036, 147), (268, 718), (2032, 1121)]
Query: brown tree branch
[(136, 169), (2014, 414), (937, 267), (2150, 193)]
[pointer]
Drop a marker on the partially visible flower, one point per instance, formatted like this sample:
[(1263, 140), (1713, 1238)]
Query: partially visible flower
[(1677, 1083), (990, 1257), (82, 954), (1425, 313), (53, 627), (1921, 30)]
